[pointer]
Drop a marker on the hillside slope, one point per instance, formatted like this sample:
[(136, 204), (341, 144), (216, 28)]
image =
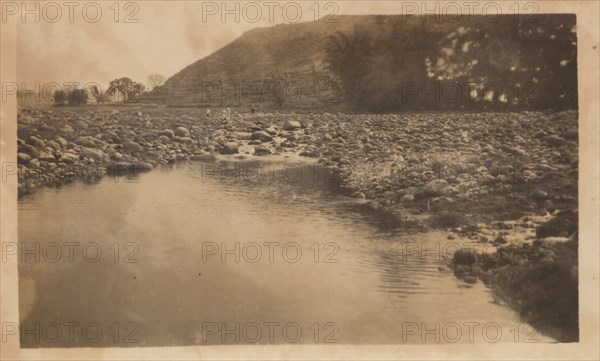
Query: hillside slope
[(377, 54), (290, 53)]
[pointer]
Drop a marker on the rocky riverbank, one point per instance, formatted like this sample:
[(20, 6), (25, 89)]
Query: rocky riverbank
[(491, 178)]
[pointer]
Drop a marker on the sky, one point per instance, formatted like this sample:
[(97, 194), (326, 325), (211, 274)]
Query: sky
[(91, 42), (87, 46)]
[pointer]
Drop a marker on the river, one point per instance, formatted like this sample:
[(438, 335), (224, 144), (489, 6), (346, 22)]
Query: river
[(313, 266)]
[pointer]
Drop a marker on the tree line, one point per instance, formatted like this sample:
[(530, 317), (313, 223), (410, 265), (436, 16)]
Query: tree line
[(397, 63), (120, 90)]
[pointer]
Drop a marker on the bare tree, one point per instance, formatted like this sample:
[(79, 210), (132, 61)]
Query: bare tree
[(155, 80)]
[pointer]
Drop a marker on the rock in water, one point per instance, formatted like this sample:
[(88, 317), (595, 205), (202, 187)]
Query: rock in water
[(563, 225), (465, 257)]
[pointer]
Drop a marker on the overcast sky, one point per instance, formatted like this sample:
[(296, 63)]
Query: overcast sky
[(167, 37)]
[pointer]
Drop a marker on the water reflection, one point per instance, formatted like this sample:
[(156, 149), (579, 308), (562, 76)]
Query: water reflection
[(178, 288)]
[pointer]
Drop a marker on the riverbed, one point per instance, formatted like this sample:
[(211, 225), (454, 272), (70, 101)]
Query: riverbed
[(194, 254)]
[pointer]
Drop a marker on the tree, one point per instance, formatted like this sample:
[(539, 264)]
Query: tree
[(60, 97), (78, 97), (70, 97), (126, 88), (103, 98), (95, 93), (156, 80), (374, 63)]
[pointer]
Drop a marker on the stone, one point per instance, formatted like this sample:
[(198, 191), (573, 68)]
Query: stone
[(182, 132), (94, 154), (470, 279), (554, 140), (291, 125), (53, 144), (36, 142), (242, 135), (132, 147), (539, 194), (262, 136), (260, 150), (23, 158), (436, 186), (572, 134), (272, 130), (230, 148), (85, 141), (66, 130), (69, 158), (29, 150), (34, 163), (167, 133), (62, 141), (465, 257), (407, 198), (563, 224), (144, 167), (45, 157)]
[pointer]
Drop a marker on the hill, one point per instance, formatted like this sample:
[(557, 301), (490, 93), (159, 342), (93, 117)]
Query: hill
[(367, 61)]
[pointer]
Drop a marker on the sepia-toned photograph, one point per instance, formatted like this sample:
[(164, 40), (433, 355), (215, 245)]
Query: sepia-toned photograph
[(188, 177)]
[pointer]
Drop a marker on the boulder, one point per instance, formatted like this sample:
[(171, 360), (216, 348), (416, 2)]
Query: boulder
[(182, 132), (167, 133), (539, 194), (34, 163), (260, 150), (66, 130), (554, 140), (291, 125), (465, 257), (62, 141), (36, 142), (53, 144), (563, 225), (29, 150), (230, 148), (95, 154), (436, 186), (407, 198), (272, 130), (45, 157), (23, 158), (572, 134), (85, 141), (132, 147), (262, 136), (69, 158), (144, 167)]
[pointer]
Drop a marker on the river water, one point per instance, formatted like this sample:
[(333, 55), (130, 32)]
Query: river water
[(188, 255)]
